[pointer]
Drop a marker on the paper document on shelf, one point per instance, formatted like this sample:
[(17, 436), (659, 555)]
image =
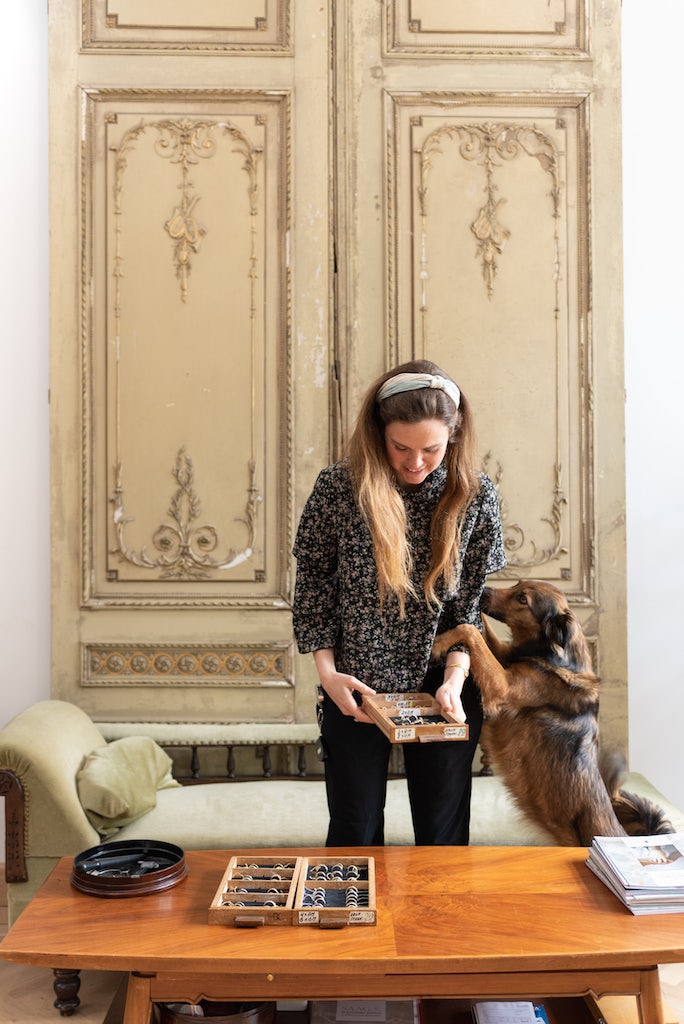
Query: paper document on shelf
[(361, 1010), (505, 1013)]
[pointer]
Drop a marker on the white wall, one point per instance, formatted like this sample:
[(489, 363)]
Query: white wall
[(654, 351), (24, 483), (654, 237)]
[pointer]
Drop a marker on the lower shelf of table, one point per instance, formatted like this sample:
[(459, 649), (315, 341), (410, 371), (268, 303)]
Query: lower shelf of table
[(569, 1010)]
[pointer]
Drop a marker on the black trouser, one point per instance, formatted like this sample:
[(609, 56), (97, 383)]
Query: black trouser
[(438, 776)]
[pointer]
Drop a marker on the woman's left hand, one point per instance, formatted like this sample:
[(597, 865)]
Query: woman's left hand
[(448, 695)]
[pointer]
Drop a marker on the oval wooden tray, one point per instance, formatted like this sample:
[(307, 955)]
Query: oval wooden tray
[(132, 868)]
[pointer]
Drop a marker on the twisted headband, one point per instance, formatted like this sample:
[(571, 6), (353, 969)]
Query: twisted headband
[(414, 381)]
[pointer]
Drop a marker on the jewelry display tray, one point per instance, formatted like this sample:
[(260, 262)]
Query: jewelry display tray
[(328, 892), (412, 718)]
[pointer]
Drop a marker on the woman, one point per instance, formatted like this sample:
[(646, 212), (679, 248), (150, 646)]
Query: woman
[(394, 545)]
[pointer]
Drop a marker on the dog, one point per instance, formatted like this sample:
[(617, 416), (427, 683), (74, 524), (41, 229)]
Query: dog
[(540, 699)]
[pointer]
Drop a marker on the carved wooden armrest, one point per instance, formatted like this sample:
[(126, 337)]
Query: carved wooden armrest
[(15, 826)]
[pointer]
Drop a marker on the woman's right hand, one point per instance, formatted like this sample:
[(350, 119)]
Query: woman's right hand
[(341, 687)]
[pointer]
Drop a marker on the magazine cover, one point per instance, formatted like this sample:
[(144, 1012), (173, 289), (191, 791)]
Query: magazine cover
[(643, 862)]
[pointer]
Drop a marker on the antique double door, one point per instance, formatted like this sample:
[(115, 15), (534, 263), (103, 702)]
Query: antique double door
[(258, 205)]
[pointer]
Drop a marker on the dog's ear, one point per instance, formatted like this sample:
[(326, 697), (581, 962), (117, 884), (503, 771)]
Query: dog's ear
[(566, 639)]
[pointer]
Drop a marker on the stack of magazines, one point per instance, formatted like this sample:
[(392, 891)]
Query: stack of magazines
[(645, 872)]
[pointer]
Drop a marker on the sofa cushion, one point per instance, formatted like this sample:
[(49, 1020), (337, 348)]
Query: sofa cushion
[(118, 782), (274, 812)]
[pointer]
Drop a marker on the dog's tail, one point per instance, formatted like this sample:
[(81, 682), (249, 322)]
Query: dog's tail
[(637, 815)]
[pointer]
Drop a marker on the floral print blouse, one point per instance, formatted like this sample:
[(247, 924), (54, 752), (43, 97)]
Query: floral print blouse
[(336, 591)]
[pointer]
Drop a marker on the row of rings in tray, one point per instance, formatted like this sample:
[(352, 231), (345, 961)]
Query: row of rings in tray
[(253, 903), (349, 897), (335, 872), (259, 872), (264, 898)]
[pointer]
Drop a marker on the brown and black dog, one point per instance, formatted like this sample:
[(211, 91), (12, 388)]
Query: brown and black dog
[(540, 700)]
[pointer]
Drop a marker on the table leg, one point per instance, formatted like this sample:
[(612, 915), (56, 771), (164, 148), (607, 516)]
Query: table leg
[(138, 1000), (66, 984), (649, 1000)]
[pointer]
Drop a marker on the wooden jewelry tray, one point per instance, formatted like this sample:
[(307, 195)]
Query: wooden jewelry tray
[(256, 892), (336, 891), (412, 718)]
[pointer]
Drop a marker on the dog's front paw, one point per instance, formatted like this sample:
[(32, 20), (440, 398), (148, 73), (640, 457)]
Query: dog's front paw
[(462, 634)]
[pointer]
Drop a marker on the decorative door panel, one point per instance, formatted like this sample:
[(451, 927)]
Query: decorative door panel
[(188, 25), (188, 494), (491, 282), (527, 28)]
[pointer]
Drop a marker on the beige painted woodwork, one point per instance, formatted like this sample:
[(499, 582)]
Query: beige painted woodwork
[(274, 202)]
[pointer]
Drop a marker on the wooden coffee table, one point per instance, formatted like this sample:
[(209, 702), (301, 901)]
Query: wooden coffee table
[(481, 922)]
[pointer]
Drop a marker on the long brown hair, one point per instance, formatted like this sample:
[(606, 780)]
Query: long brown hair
[(381, 503)]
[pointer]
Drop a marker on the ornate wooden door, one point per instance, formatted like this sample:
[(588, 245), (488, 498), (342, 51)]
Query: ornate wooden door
[(479, 225), (258, 206)]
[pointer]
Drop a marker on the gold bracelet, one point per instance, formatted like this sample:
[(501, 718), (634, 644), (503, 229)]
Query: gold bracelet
[(457, 664)]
